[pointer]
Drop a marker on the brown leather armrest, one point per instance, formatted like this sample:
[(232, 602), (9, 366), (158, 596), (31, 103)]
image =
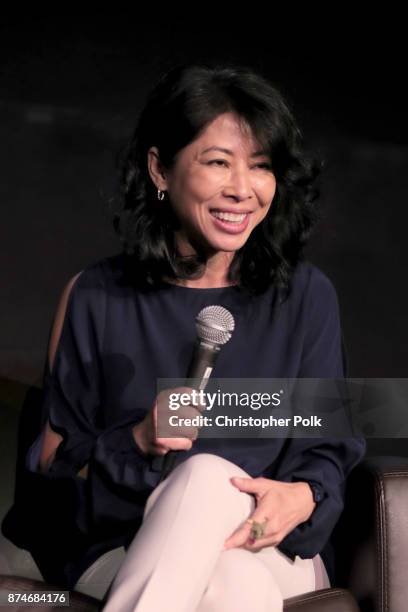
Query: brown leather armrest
[(371, 538), (324, 600)]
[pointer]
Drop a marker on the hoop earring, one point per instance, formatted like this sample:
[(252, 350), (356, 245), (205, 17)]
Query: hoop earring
[(160, 195)]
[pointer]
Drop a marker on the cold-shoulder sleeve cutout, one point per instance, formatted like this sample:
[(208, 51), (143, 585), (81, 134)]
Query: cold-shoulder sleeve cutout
[(73, 401)]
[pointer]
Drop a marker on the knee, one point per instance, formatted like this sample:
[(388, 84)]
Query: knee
[(240, 564), (208, 471), (238, 569), (213, 474), (209, 463)]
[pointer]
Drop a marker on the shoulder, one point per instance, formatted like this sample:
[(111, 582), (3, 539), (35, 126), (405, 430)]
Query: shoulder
[(107, 272), (319, 316), (87, 290), (312, 286), (313, 300), (81, 302), (308, 276), (94, 277)]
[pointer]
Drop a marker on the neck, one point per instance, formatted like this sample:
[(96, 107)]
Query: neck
[(215, 273)]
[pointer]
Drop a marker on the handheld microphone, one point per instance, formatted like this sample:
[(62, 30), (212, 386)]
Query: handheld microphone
[(214, 325)]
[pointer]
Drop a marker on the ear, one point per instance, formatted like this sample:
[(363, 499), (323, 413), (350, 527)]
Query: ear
[(156, 169)]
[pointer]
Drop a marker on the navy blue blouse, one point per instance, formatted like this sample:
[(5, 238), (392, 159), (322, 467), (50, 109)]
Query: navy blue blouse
[(116, 341)]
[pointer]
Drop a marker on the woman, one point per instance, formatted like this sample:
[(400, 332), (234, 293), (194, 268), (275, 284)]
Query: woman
[(217, 206)]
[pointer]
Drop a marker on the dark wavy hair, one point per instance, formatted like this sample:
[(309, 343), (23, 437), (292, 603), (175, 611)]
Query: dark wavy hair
[(185, 100)]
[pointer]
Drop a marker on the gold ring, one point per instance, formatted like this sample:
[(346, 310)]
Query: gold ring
[(258, 529)]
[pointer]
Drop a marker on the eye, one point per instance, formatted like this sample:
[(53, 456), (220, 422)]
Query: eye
[(217, 161), (264, 165), (223, 162)]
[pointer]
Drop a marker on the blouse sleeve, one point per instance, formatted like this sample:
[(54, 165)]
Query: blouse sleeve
[(325, 461), (72, 389), (73, 396)]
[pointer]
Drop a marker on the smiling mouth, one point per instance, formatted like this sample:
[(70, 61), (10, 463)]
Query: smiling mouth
[(228, 216)]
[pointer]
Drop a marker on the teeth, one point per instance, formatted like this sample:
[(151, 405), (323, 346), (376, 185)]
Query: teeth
[(227, 216)]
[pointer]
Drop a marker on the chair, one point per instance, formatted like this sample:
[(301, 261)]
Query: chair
[(370, 540)]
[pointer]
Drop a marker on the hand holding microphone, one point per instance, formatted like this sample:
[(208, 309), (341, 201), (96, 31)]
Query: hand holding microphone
[(214, 325), (145, 432)]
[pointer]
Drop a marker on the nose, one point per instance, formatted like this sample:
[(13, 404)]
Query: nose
[(239, 185)]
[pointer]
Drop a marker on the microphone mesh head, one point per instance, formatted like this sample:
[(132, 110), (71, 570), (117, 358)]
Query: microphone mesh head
[(215, 324)]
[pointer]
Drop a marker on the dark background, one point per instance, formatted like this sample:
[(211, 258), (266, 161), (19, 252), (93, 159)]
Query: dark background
[(71, 87)]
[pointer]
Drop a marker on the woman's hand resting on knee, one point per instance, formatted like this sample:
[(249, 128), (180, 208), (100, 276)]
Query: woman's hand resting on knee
[(157, 418), (283, 505)]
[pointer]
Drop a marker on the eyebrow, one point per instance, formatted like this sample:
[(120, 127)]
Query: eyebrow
[(228, 152)]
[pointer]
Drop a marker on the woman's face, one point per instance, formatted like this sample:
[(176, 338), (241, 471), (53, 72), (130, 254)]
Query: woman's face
[(221, 186)]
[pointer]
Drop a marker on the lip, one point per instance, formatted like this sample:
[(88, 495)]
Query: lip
[(237, 211), (228, 227)]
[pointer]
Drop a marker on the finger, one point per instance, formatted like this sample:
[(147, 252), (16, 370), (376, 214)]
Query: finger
[(178, 431), (181, 389), (196, 405), (258, 486), (182, 424), (270, 538), (189, 412), (174, 443), (237, 540), (254, 545), (239, 537), (191, 397), (245, 534), (181, 444), (176, 424), (186, 392), (180, 402), (160, 450)]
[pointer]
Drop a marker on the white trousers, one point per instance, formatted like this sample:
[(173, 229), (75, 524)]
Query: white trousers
[(176, 561)]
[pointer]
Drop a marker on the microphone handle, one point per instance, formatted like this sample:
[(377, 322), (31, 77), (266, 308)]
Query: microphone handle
[(201, 366)]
